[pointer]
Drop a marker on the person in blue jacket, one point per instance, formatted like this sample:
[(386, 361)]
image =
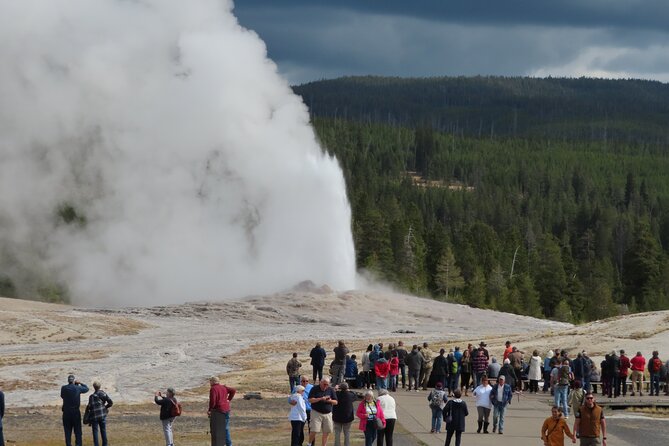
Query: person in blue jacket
[(500, 396), (71, 395)]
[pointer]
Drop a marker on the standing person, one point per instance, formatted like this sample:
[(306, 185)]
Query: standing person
[(374, 356), (500, 397), (381, 371), (2, 415), (562, 377), (297, 416), (317, 356), (219, 412), (555, 428), (368, 412), (483, 405), (454, 414), (401, 355), (638, 364), (516, 360), (293, 371), (613, 366), (414, 362), (465, 370), (624, 370), (387, 403), (351, 373), (508, 373), (457, 354), (576, 396), (304, 381), (547, 370), (166, 403), (366, 374), (590, 422), (339, 363), (479, 364), (493, 368), (394, 370), (654, 368), (342, 414), (534, 374), (427, 365), (587, 371), (507, 349), (322, 398), (437, 400), (71, 395), (99, 402), (440, 368)]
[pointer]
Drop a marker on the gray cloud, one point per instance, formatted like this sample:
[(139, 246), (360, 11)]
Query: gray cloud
[(318, 39)]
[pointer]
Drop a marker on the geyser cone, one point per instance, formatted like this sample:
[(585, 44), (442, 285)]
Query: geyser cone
[(152, 154)]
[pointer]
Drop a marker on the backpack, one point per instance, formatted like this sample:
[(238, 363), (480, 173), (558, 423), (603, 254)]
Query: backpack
[(657, 365), (564, 375), (437, 398), (175, 411), (454, 367)]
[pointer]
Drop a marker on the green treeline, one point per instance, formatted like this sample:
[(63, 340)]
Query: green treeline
[(566, 228)]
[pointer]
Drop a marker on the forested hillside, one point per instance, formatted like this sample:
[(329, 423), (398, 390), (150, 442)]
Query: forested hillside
[(539, 217)]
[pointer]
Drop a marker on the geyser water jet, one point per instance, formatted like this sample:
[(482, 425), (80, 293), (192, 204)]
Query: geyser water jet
[(150, 153)]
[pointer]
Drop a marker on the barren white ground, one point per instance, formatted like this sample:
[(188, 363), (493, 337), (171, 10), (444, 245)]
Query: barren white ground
[(135, 351)]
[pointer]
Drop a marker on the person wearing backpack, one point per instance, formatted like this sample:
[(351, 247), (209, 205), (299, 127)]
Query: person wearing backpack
[(562, 379), (655, 367), (437, 400), (166, 404), (99, 404)]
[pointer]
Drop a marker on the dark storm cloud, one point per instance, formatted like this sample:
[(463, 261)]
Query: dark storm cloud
[(643, 14), (323, 39)]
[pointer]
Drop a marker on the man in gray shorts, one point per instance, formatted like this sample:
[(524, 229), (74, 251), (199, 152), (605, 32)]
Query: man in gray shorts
[(321, 398)]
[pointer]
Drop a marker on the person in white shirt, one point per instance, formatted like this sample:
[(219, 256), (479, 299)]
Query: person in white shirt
[(387, 403), (298, 416), (483, 404)]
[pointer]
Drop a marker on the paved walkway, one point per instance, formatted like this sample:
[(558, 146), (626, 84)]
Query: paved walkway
[(522, 423)]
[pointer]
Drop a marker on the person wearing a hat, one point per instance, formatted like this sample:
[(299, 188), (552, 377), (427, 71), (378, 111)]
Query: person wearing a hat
[(71, 395)]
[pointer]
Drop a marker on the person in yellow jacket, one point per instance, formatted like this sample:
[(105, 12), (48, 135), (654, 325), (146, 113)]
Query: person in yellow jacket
[(555, 428)]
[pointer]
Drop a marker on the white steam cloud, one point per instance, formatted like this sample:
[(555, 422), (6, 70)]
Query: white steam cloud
[(150, 153)]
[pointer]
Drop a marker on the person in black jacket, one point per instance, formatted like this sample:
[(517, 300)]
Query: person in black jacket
[(71, 395), (342, 414), (166, 403), (440, 368), (2, 415), (317, 356), (455, 412)]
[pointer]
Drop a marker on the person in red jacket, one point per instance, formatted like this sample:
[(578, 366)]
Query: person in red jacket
[(381, 370), (638, 364), (219, 412), (394, 370), (369, 412)]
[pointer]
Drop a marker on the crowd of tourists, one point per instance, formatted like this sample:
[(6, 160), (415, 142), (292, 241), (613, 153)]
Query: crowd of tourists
[(327, 406)]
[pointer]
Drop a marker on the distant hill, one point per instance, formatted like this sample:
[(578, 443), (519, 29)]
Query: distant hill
[(585, 109)]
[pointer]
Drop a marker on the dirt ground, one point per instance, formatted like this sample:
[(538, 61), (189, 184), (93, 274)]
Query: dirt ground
[(136, 351)]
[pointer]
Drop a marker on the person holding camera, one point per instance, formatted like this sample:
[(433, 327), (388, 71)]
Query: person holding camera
[(166, 403), (322, 399), (71, 395)]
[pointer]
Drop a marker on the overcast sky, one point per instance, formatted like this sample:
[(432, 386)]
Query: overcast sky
[(317, 39)]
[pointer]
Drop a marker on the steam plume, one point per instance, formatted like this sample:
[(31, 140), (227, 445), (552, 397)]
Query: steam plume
[(150, 153)]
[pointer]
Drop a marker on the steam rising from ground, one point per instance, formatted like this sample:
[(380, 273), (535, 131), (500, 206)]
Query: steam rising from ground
[(150, 153)]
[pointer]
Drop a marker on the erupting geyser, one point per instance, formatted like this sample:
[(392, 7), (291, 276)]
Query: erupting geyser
[(150, 153)]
